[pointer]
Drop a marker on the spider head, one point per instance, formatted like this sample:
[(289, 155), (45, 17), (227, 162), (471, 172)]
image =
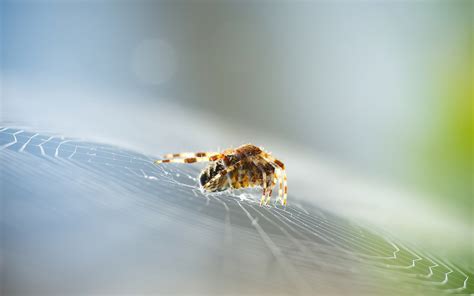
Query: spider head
[(210, 172)]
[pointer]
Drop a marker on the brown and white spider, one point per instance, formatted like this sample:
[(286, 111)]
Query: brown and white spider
[(243, 167)]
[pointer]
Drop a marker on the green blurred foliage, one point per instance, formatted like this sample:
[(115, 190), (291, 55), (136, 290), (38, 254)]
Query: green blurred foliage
[(446, 166)]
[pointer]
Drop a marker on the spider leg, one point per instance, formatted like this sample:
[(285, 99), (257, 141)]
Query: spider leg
[(285, 185), (272, 159), (280, 186), (213, 182), (269, 197), (283, 190), (189, 155), (276, 179), (266, 194), (226, 166), (213, 157)]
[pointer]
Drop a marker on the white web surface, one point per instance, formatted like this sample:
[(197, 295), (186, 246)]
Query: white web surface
[(222, 243)]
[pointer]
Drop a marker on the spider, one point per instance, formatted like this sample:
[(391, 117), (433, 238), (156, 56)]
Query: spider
[(243, 167)]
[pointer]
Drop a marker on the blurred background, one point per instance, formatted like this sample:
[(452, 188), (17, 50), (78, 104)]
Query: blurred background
[(375, 94)]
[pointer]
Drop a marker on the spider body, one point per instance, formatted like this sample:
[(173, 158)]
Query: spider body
[(248, 175), (244, 167)]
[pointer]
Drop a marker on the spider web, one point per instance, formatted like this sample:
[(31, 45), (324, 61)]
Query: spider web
[(74, 208)]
